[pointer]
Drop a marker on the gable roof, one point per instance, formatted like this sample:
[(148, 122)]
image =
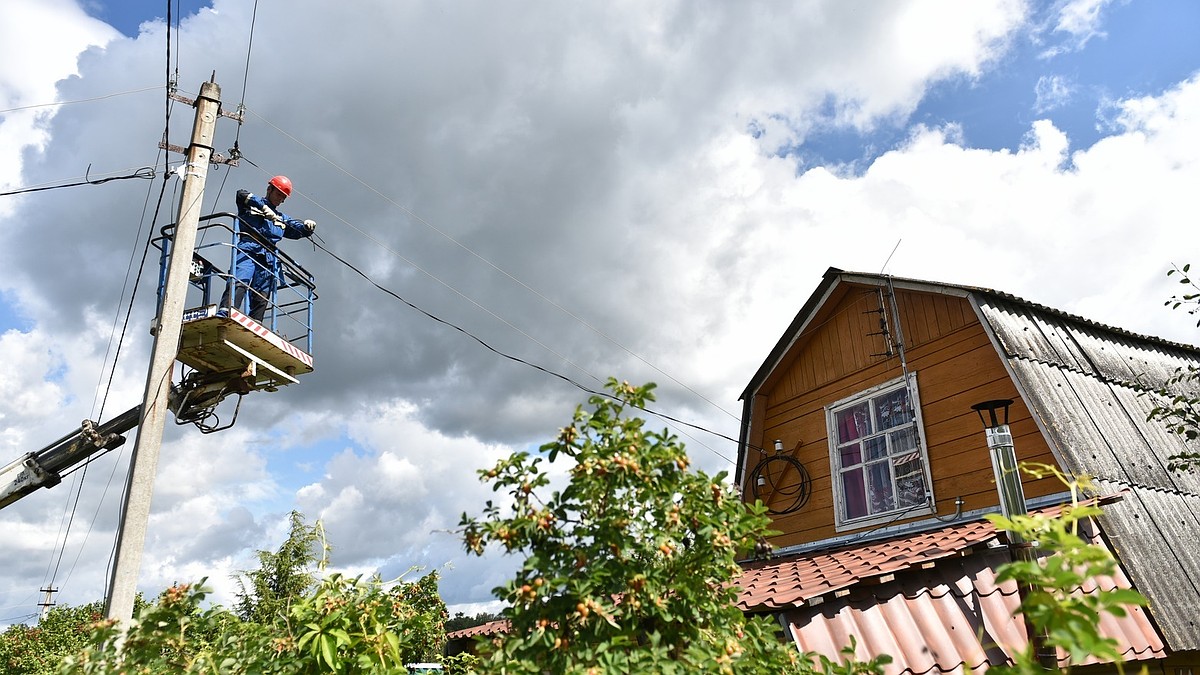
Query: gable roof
[(1081, 380)]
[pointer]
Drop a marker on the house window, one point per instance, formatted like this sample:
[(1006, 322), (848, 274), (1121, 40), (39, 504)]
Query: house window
[(879, 460)]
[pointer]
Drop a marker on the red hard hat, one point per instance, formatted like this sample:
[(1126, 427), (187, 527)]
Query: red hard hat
[(283, 184)]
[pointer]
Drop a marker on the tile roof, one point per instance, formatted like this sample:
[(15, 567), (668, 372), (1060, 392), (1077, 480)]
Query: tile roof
[(489, 628), (929, 600), (795, 580)]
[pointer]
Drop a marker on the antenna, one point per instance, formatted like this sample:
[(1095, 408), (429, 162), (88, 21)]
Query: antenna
[(889, 258)]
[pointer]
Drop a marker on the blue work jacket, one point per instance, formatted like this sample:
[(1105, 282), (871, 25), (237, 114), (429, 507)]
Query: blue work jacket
[(267, 229)]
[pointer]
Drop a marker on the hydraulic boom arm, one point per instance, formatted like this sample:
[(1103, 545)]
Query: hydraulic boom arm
[(44, 467)]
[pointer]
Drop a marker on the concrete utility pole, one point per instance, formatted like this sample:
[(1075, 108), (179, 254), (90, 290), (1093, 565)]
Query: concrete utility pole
[(168, 325), (48, 602)]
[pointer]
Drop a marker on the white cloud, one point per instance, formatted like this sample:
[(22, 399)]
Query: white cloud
[(39, 43), (1053, 91), (1081, 18)]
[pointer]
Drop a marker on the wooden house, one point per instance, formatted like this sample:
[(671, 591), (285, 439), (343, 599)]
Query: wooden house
[(858, 432)]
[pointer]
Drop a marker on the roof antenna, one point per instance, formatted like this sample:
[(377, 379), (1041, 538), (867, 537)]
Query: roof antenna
[(889, 258)]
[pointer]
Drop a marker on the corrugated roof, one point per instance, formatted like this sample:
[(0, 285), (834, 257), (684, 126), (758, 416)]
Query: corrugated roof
[(952, 618), (930, 600), (1080, 381)]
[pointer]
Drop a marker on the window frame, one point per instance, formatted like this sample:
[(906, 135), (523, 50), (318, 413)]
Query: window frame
[(841, 522)]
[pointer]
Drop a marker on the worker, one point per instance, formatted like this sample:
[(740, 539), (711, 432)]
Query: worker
[(256, 265)]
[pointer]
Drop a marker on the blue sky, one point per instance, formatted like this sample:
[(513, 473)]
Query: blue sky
[(1140, 49), (594, 187)]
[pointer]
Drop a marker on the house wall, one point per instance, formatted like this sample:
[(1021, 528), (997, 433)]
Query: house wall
[(840, 354)]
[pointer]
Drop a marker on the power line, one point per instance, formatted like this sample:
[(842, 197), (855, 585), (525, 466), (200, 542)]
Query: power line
[(107, 387), (145, 173), (80, 100), (517, 359)]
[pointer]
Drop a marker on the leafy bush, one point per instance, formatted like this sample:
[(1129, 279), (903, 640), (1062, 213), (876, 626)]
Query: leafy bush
[(629, 567)]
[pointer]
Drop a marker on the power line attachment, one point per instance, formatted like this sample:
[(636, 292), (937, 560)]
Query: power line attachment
[(216, 157), (781, 482)]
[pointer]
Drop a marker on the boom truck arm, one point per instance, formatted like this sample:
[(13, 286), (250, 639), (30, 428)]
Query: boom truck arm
[(44, 468), (191, 401)]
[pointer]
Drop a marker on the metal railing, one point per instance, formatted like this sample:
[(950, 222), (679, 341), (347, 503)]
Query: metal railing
[(289, 305)]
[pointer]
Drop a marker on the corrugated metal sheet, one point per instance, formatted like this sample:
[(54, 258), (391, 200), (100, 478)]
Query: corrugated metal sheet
[(1156, 535), (1037, 333), (949, 619), (1095, 419)]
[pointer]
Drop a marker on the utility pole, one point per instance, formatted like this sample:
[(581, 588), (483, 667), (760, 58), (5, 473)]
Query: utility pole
[(143, 466), (47, 602)]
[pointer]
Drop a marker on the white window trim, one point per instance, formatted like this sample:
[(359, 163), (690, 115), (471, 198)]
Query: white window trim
[(842, 524)]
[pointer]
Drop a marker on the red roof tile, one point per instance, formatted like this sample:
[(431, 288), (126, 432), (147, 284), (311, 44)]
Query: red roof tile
[(794, 580), (948, 616), (490, 628)]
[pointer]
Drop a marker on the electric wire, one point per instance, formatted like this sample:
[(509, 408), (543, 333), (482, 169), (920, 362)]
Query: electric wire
[(520, 360), (495, 267), (80, 100), (145, 173), (236, 151), (562, 357), (447, 285)]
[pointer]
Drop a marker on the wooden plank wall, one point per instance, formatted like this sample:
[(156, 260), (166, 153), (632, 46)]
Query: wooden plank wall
[(837, 357)]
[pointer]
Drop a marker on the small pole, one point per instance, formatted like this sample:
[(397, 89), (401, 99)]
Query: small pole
[(135, 515), (47, 601), (1012, 503)]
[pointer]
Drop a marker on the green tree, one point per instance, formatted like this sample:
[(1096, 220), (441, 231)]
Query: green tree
[(347, 625), (460, 621), (629, 567), (282, 575), (1177, 401), (38, 649), (289, 622)]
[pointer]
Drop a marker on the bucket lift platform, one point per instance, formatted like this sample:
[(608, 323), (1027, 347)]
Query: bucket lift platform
[(217, 339), (225, 351)]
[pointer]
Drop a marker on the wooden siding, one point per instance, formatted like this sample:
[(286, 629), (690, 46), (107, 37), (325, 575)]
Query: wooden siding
[(836, 357)]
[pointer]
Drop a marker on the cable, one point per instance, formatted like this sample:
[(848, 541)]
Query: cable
[(236, 151), (170, 86), (144, 172), (454, 290), (81, 100), (517, 359)]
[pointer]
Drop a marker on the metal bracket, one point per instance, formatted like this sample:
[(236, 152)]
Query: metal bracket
[(175, 96), (215, 158)]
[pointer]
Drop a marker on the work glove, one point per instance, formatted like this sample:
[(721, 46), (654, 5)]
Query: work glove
[(266, 212), (242, 197), (310, 226)]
